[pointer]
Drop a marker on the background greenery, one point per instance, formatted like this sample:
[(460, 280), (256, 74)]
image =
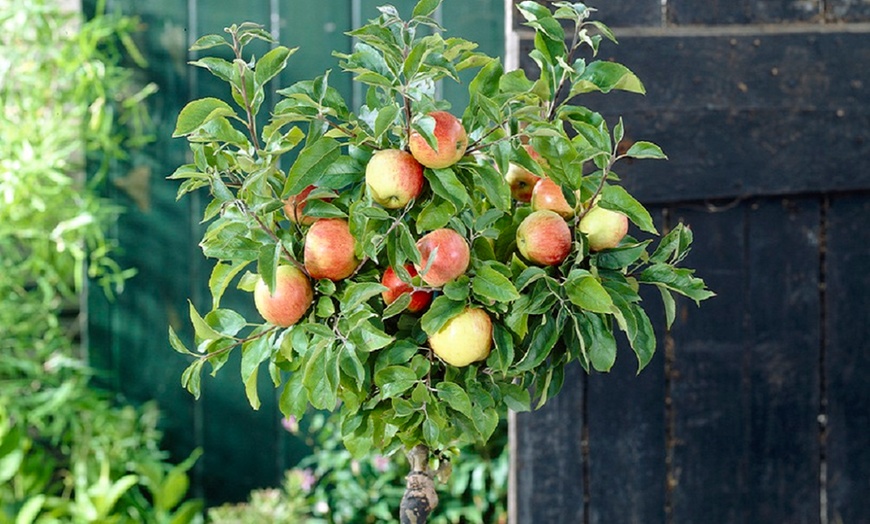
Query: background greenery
[(68, 453)]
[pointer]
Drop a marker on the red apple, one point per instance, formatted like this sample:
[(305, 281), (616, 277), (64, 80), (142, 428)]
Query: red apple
[(295, 205), (449, 261), (544, 238), (397, 287), (464, 339), (548, 195), (292, 297), (450, 137), (329, 250), (603, 228), (394, 178), (521, 180)]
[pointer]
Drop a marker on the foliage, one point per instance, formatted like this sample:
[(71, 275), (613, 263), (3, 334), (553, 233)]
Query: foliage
[(332, 487), (353, 354), (67, 452)]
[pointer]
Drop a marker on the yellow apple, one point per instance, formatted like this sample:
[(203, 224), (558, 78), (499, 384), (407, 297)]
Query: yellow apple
[(603, 228), (464, 339), (394, 178)]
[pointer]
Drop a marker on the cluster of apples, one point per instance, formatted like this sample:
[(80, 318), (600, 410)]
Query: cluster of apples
[(544, 237), (394, 178)]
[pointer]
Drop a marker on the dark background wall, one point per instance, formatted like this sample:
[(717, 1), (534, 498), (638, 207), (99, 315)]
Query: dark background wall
[(244, 449), (756, 406)]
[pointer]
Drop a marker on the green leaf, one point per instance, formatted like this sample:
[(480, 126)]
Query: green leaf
[(602, 352), (455, 397), (191, 377), (643, 342), (313, 162), (669, 304), (251, 390), (515, 397), (255, 351), (502, 356), (177, 344), (680, 280), (446, 185), (616, 198), (370, 338), (271, 64), (208, 41), (439, 313), (357, 293), (490, 284), (197, 113), (494, 186), (320, 377), (225, 321), (587, 293), (222, 274), (293, 400), (541, 344), (386, 118), (395, 380), (643, 149), (436, 214), (425, 8), (200, 326), (606, 76)]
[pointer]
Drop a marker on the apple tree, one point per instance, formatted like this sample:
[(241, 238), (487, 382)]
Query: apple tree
[(421, 268)]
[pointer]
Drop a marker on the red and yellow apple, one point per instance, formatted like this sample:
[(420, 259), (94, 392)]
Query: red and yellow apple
[(450, 138), (464, 339), (394, 178), (292, 297), (521, 180), (544, 238), (329, 250), (294, 208), (548, 195), (396, 287), (604, 229), (446, 255)]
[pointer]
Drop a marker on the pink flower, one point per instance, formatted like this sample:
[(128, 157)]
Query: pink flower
[(290, 424)]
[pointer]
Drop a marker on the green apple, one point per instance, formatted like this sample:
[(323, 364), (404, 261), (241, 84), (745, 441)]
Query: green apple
[(544, 238), (329, 250), (292, 297), (450, 137), (446, 255), (394, 178), (603, 228), (464, 339)]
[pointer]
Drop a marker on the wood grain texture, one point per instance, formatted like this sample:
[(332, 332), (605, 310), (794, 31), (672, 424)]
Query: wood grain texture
[(547, 457), (847, 358), (743, 11), (744, 115)]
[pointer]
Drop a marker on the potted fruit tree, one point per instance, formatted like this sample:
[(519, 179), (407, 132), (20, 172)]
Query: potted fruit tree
[(419, 268)]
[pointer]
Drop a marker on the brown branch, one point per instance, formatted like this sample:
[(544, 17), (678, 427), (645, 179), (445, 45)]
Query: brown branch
[(420, 497)]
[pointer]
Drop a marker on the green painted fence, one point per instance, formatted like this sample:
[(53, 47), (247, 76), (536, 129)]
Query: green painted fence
[(127, 336)]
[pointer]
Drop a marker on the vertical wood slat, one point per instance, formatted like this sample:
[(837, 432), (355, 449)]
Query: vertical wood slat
[(847, 358), (547, 457)]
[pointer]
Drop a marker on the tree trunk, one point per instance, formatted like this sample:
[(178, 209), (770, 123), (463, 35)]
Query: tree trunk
[(420, 497)]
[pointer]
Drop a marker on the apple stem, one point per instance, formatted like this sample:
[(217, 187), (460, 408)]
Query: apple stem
[(420, 497)]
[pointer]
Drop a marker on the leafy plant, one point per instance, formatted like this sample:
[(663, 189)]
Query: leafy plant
[(331, 487), (68, 453), (500, 330)]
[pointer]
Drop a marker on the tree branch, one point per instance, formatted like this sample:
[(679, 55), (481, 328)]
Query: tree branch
[(420, 497)]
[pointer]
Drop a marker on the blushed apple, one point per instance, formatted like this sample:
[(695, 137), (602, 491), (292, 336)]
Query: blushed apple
[(521, 180), (450, 137), (397, 287), (548, 195), (604, 229), (464, 339), (544, 238), (329, 250), (445, 253), (292, 297), (294, 207), (394, 178)]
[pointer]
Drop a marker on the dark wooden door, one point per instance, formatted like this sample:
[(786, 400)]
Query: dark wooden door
[(756, 407)]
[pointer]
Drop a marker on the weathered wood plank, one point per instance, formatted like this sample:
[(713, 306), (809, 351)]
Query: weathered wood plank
[(547, 457), (746, 395), (743, 11), (709, 401), (781, 113), (847, 358), (848, 10)]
